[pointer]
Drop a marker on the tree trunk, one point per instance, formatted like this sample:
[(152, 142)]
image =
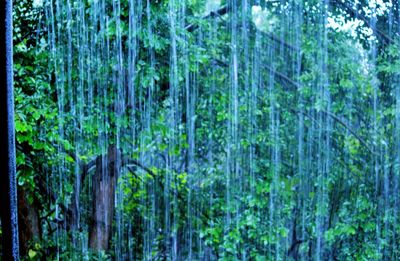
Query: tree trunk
[(28, 221), (103, 198)]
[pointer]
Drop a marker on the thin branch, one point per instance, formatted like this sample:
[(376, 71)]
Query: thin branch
[(279, 75), (131, 170), (344, 124), (341, 122), (219, 12), (127, 161), (283, 77), (278, 40), (41, 184), (224, 10), (48, 214), (306, 115)]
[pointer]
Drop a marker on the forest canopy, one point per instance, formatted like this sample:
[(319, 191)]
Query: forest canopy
[(207, 129)]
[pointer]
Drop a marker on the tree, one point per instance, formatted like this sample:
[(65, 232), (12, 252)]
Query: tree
[(209, 130)]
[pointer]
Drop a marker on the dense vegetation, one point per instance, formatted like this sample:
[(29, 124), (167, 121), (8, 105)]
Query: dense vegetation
[(208, 130)]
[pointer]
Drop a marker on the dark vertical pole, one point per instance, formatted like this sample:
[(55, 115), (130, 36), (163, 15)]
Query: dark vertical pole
[(8, 188)]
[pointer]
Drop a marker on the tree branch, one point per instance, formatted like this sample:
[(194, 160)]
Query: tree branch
[(44, 187), (224, 10), (282, 77), (219, 12), (344, 124), (128, 161)]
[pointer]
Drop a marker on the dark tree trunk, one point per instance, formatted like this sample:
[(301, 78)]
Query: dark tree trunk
[(28, 221), (103, 194)]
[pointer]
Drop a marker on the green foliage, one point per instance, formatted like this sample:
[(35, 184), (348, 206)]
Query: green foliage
[(222, 164)]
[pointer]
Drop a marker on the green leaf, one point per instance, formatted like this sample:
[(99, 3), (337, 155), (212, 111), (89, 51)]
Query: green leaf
[(32, 253)]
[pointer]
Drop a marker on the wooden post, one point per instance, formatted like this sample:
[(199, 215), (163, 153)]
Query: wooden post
[(8, 188)]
